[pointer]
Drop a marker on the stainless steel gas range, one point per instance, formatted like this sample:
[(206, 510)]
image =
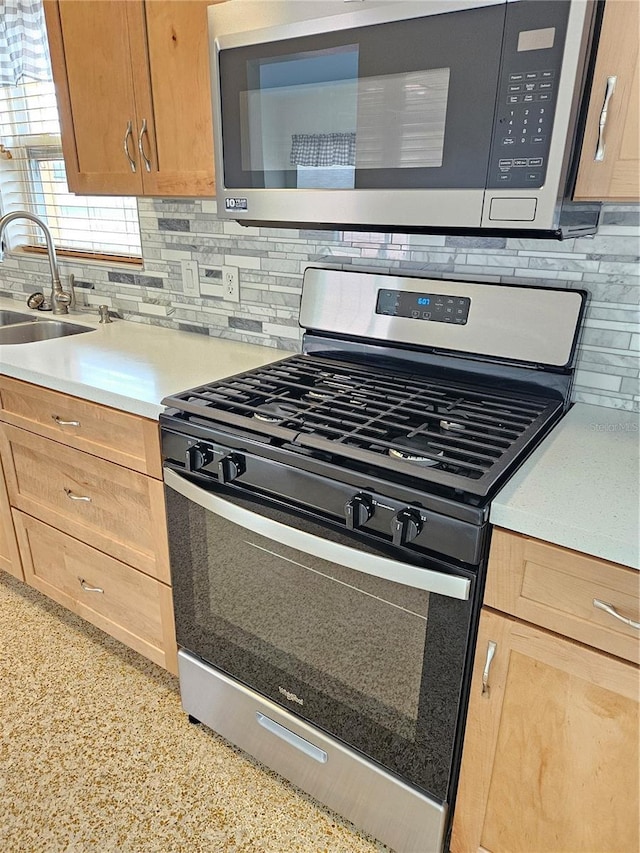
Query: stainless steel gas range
[(328, 526)]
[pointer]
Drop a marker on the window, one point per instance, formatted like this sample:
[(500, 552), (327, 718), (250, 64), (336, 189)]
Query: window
[(32, 177)]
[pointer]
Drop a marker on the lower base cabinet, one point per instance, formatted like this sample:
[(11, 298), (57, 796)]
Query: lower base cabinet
[(84, 493), (550, 760)]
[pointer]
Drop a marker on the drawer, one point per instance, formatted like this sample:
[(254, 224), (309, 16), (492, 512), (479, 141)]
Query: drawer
[(555, 588), (128, 605), (118, 511), (126, 439)]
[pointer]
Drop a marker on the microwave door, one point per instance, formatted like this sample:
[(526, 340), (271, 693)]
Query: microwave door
[(353, 122)]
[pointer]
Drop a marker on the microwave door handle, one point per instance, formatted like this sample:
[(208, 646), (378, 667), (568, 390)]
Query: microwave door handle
[(370, 564)]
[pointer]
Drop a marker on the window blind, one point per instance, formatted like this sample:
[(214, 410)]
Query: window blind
[(32, 177)]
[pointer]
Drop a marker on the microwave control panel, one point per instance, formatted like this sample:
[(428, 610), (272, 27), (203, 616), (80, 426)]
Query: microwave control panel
[(527, 93)]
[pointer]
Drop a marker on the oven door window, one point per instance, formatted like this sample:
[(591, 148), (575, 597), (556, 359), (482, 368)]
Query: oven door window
[(405, 104), (375, 663)]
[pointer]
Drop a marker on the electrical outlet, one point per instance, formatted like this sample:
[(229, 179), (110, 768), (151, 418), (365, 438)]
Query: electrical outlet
[(230, 284), (190, 278)]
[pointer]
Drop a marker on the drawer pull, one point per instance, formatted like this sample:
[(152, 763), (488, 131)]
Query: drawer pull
[(73, 497), (85, 586), (491, 650), (610, 609), (60, 422)]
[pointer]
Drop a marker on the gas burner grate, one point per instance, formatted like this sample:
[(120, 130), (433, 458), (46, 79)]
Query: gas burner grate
[(458, 435)]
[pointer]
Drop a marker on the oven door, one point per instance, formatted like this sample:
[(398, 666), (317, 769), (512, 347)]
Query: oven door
[(365, 647), (394, 107)]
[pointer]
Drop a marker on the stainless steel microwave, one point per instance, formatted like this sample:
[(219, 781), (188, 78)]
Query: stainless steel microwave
[(436, 115)]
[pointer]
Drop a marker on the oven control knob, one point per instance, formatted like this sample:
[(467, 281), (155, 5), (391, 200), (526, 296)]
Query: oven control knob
[(358, 511), (230, 466), (197, 456), (405, 526)]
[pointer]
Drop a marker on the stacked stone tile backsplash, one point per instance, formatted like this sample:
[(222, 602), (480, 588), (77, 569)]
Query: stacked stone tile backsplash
[(271, 263)]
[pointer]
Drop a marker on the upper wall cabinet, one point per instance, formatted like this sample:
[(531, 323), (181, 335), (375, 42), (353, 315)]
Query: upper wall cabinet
[(132, 82), (610, 159)]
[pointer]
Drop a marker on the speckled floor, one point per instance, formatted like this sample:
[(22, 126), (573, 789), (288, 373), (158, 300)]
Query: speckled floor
[(97, 755)]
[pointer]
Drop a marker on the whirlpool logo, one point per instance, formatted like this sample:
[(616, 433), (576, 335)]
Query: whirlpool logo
[(290, 696)]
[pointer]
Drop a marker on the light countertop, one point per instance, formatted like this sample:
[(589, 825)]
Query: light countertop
[(580, 489), (126, 365)]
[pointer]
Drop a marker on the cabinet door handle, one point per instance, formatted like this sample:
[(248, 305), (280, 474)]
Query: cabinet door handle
[(73, 497), (611, 85), (60, 422), (610, 609), (127, 134), (85, 586), (143, 133), (491, 650)]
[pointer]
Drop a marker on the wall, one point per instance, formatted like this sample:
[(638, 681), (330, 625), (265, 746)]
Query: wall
[(271, 263)]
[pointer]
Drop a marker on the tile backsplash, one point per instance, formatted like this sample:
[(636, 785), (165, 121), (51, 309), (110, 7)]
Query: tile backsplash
[(271, 263)]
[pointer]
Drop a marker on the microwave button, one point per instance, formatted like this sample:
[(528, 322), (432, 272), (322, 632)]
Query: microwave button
[(533, 177), (508, 140), (543, 96), (530, 87), (528, 98), (545, 87), (546, 75), (516, 78), (535, 161), (515, 87), (521, 161), (504, 164), (503, 177), (538, 139), (514, 99)]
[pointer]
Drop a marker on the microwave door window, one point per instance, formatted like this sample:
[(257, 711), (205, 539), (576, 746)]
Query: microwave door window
[(364, 109), (317, 132)]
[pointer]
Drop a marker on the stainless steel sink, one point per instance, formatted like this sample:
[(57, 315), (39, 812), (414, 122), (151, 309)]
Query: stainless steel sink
[(8, 318), (29, 330)]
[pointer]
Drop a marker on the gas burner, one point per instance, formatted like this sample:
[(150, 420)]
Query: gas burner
[(320, 392), (413, 450), (274, 413)]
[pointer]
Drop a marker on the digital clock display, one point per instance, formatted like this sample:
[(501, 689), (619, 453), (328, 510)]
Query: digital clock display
[(433, 307)]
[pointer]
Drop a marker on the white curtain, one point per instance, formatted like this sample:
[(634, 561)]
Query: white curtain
[(24, 53)]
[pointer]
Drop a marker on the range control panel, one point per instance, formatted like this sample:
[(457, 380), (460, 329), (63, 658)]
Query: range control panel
[(532, 57), (435, 307)]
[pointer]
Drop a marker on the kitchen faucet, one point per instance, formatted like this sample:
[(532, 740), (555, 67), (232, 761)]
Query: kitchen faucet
[(60, 299)]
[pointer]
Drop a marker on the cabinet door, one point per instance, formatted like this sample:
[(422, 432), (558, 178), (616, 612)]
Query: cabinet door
[(550, 759), (615, 177), (91, 60), (9, 558), (179, 139)]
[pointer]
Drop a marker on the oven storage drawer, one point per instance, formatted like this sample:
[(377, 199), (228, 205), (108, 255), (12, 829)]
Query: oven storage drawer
[(127, 439), (564, 591), (112, 508), (125, 603)]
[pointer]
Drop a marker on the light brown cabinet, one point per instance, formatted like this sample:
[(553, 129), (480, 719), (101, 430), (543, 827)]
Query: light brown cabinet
[(550, 758), (91, 533), (9, 556), (132, 83), (614, 174)]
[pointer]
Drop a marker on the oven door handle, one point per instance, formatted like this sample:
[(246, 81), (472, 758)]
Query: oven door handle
[(370, 564)]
